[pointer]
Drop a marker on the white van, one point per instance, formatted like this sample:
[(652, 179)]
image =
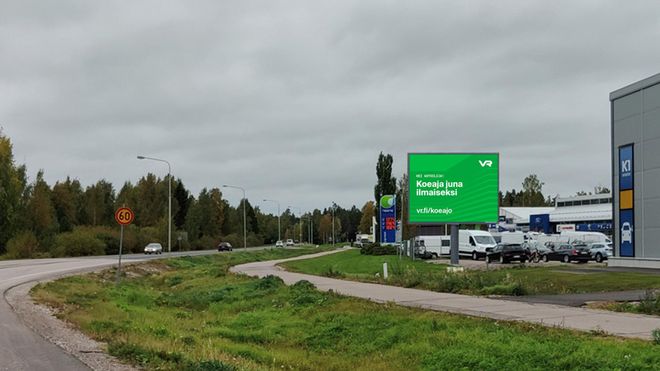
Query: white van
[(516, 237), (587, 237), (475, 243), (434, 245)]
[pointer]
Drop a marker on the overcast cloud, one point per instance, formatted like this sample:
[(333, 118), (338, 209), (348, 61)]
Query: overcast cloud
[(295, 99)]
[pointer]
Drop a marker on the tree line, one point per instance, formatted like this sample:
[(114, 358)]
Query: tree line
[(69, 219)]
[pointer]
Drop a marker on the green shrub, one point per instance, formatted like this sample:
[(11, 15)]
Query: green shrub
[(377, 249), (513, 289), (23, 246), (656, 336), (148, 235), (270, 282), (78, 243), (332, 273), (650, 303), (205, 243), (304, 293)]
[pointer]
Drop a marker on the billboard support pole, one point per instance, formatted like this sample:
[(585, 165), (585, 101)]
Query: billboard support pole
[(454, 244)]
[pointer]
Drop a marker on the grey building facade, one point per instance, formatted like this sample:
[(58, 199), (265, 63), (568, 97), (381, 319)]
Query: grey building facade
[(635, 125)]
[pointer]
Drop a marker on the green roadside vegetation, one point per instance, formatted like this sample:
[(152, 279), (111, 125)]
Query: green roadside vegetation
[(192, 314), (517, 280), (648, 304)]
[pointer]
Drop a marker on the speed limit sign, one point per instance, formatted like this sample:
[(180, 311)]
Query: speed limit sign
[(124, 216)]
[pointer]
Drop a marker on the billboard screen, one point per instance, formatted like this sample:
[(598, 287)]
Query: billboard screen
[(453, 188)]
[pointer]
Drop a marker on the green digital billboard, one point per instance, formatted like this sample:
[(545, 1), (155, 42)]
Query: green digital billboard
[(453, 188)]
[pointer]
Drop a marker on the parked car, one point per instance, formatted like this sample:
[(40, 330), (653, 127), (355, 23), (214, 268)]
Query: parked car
[(506, 252), (290, 242), (153, 248), (279, 244), (224, 246), (600, 251), (568, 253)]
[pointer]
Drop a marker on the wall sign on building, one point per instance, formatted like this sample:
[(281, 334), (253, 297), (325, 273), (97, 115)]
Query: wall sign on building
[(626, 201)]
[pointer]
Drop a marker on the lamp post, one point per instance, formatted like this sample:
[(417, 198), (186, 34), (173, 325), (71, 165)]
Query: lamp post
[(169, 192), (279, 225), (300, 226), (334, 206), (244, 214)]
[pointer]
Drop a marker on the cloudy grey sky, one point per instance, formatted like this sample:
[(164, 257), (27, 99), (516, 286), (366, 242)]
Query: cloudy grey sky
[(295, 99)]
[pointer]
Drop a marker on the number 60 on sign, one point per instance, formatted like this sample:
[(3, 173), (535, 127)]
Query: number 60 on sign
[(124, 216)]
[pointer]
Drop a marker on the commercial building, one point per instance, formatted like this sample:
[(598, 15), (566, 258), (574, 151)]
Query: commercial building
[(576, 213), (635, 128)]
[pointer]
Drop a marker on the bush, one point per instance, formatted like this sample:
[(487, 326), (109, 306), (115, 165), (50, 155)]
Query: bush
[(205, 243), (78, 243), (108, 235), (23, 246), (146, 236), (332, 273), (650, 303), (377, 249), (656, 336)]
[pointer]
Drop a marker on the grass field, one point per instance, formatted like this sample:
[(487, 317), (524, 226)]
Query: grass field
[(514, 281), (191, 314)]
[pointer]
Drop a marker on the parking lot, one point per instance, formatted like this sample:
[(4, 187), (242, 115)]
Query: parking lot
[(470, 264)]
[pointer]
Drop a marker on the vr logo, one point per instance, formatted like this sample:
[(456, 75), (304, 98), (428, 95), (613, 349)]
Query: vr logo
[(488, 163), (625, 166)]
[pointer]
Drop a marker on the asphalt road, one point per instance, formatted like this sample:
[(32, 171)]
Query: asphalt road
[(20, 347)]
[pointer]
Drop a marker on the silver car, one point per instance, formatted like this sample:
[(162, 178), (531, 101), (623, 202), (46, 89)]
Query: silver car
[(600, 251), (153, 248)]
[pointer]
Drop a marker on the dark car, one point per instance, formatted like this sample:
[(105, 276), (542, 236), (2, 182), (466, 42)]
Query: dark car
[(506, 252), (224, 246), (568, 253)]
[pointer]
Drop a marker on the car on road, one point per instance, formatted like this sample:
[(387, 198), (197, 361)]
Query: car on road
[(507, 252), (224, 246), (568, 253), (153, 248), (600, 251), (279, 244), (290, 242)]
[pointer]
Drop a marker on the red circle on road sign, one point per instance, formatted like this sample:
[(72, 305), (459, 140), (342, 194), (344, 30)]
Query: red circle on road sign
[(124, 216)]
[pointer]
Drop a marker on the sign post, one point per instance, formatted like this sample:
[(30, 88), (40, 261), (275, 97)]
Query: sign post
[(388, 219), (453, 188), (123, 216)]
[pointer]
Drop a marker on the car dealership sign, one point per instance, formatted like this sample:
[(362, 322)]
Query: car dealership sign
[(453, 188)]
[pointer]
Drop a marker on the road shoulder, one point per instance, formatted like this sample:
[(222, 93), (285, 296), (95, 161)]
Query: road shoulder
[(42, 321)]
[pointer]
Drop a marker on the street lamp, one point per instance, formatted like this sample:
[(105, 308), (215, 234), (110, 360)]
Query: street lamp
[(334, 206), (169, 192), (279, 225), (244, 217), (299, 213)]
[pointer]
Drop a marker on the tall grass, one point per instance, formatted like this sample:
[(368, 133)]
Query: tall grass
[(192, 314)]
